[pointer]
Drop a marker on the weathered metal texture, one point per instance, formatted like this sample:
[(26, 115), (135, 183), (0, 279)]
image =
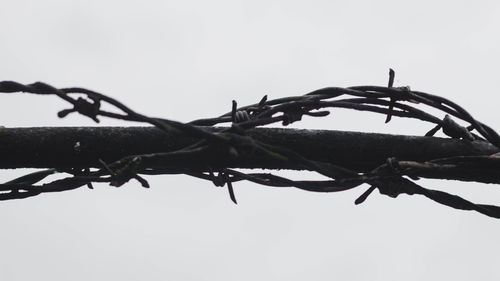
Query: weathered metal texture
[(64, 147)]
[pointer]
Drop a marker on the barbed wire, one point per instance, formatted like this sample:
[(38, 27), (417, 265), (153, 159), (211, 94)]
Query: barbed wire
[(392, 178)]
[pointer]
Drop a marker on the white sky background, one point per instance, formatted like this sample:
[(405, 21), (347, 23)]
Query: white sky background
[(187, 60)]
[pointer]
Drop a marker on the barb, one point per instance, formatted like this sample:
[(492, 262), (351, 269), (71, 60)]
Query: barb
[(222, 179), (126, 171), (395, 177)]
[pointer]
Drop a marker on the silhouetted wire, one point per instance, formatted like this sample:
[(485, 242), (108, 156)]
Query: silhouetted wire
[(391, 178)]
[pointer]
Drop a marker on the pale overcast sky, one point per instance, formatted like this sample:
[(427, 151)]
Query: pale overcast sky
[(185, 60)]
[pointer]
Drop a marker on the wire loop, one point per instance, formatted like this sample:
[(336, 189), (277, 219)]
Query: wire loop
[(392, 178)]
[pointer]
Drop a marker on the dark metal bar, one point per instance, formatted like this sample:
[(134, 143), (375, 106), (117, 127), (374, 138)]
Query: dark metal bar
[(66, 147)]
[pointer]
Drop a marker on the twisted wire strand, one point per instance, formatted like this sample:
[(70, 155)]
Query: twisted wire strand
[(391, 178)]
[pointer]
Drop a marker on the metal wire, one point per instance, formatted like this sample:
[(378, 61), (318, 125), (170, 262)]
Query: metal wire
[(392, 178)]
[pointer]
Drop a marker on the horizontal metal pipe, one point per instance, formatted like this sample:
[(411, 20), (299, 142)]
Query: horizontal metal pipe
[(66, 147)]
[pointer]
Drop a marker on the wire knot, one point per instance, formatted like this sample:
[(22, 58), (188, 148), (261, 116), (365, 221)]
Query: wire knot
[(295, 113), (126, 172), (394, 186), (452, 129), (84, 107), (239, 116), (222, 179)]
